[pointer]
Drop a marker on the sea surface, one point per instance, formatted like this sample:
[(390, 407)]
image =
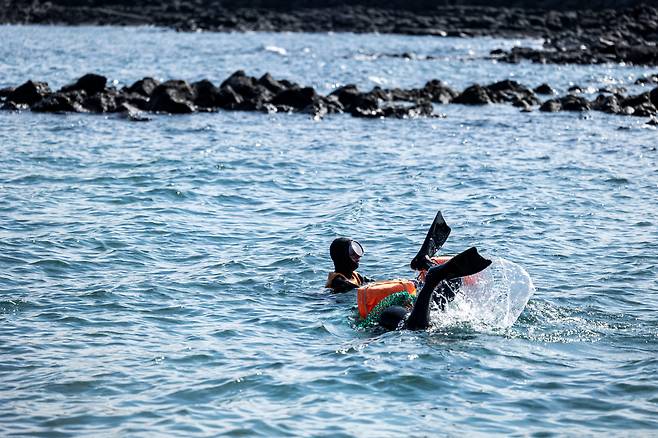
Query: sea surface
[(167, 278)]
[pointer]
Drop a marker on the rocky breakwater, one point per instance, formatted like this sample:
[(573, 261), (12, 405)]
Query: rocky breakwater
[(240, 92)]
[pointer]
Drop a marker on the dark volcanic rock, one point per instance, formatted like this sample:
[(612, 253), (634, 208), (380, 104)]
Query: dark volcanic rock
[(551, 106), (637, 100), (644, 110), (239, 81), (333, 104), (641, 55), (272, 84), (253, 95), (174, 97), (90, 83), (206, 94), (322, 106), (642, 104), (58, 103), (575, 89), (378, 93), (511, 91), (574, 103), (544, 89), (228, 98), (134, 99), (499, 92), (11, 106), (30, 92), (438, 92), (365, 103), (422, 109), (473, 95), (648, 80), (607, 104), (347, 95), (296, 97), (144, 87), (4, 92), (104, 102), (613, 90), (653, 96), (317, 110), (367, 113)]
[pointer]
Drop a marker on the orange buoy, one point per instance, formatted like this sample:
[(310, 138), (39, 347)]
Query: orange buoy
[(370, 295)]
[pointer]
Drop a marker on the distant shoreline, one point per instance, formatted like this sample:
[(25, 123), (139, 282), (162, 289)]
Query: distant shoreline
[(572, 36)]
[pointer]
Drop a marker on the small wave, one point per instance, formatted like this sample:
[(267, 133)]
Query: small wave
[(365, 57), (275, 49), (378, 80), (51, 263), (618, 181)]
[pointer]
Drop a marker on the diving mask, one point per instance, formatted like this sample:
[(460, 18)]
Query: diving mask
[(355, 251)]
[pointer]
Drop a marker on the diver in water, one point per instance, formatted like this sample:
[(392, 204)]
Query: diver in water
[(345, 254), (442, 278)]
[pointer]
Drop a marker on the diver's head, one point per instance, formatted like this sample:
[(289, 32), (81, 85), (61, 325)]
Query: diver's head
[(392, 317), (346, 254)]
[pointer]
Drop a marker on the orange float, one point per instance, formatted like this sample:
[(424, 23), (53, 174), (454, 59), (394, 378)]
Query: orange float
[(370, 295)]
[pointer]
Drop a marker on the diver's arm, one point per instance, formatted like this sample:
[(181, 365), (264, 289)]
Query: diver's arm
[(365, 279), (339, 285)]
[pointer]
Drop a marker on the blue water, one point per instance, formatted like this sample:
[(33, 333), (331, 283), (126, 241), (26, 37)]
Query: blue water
[(166, 278)]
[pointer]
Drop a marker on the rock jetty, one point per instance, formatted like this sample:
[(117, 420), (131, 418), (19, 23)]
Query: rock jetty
[(240, 92)]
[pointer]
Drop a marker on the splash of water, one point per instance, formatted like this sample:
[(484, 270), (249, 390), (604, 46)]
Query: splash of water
[(495, 300)]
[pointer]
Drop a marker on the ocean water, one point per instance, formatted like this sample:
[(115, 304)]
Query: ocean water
[(166, 278)]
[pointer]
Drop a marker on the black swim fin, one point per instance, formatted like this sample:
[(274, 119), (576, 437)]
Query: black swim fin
[(436, 237), (465, 263)]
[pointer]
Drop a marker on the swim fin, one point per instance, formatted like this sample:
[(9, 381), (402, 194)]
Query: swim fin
[(436, 237), (465, 263)]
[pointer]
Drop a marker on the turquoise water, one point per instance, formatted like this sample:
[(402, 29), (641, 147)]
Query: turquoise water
[(166, 278)]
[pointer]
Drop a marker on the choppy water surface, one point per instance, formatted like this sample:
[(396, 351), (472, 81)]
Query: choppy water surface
[(166, 278)]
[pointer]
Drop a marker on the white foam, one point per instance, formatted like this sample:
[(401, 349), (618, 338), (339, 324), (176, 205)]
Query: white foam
[(275, 49), (495, 300)]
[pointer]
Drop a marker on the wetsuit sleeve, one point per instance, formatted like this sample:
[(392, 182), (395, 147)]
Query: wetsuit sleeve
[(339, 285), (366, 279)]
